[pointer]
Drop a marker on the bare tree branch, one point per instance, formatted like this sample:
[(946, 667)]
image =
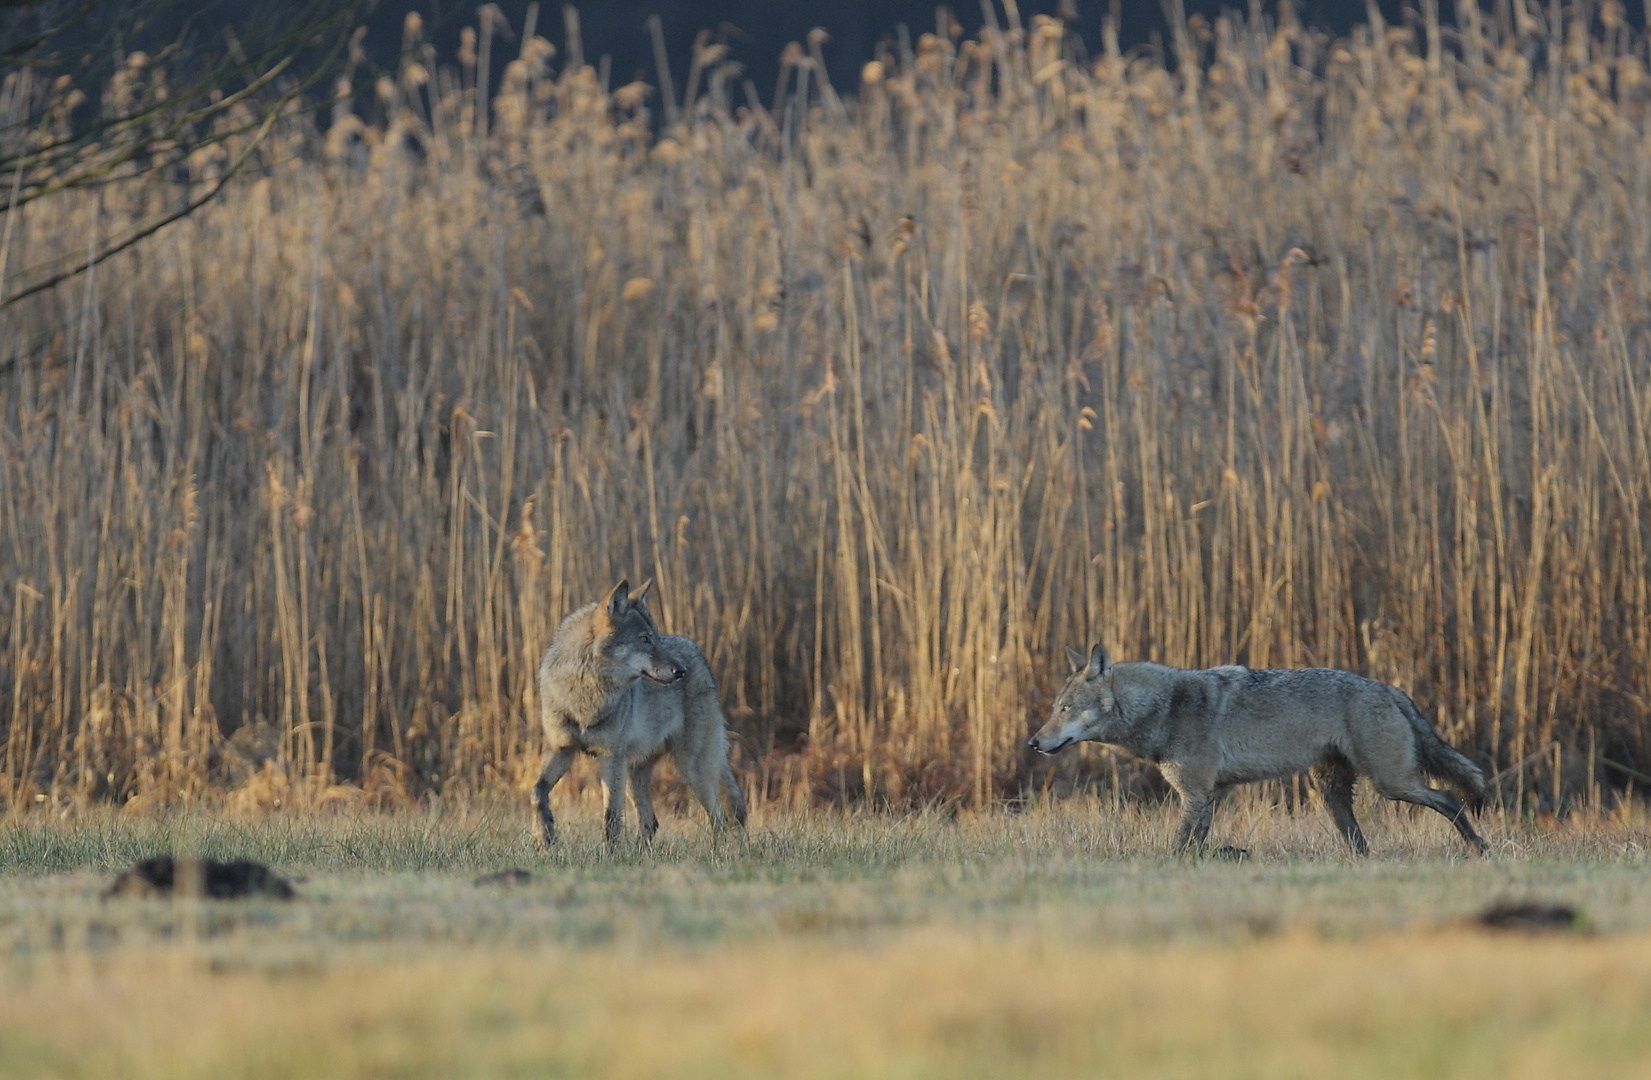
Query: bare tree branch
[(153, 227), (143, 123)]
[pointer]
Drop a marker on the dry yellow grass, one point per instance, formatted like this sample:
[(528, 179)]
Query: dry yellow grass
[(1061, 942), (1448, 1004), (1308, 352)]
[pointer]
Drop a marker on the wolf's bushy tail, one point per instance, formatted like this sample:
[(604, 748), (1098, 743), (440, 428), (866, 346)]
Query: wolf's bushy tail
[(1443, 761)]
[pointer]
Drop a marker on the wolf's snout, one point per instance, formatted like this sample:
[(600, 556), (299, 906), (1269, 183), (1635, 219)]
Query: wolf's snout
[(667, 676), (1036, 743)]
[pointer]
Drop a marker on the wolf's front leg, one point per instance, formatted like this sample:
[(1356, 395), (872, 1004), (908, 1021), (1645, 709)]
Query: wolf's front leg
[(1197, 809), (613, 779), (642, 779), (555, 767)]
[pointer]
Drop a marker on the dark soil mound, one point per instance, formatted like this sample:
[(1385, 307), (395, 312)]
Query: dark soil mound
[(165, 876), (1529, 917), (515, 875)]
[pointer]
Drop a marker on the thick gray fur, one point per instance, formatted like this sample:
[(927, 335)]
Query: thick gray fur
[(611, 685), (1209, 730)]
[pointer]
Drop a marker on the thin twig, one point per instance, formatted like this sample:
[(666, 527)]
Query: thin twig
[(154, 227)]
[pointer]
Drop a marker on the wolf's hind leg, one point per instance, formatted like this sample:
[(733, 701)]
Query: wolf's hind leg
[(1448, 805), (736, 798), (642, 796), (555, 767), (1334, 777), (613, 779), (1413, 789), (703, 782)]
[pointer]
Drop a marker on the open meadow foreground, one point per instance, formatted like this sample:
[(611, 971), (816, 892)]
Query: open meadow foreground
[(1055, 942), (333, 378)]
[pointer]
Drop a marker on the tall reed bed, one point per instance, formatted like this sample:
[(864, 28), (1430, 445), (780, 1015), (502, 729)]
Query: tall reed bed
[(1292, 351)]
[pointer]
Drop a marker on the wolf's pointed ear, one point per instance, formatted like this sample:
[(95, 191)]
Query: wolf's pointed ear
[(618, 602), (1075, 658), (1099, 662), (641, 591)]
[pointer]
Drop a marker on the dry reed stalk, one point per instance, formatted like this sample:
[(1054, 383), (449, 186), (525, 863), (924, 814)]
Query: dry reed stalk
[(1308, 352)]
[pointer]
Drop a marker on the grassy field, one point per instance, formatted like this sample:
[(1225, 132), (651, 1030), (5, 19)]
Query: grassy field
[(1063, 940), (1282, 351), (1285, 351)]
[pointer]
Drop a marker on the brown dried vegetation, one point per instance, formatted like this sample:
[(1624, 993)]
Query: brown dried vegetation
[(1304, 352)]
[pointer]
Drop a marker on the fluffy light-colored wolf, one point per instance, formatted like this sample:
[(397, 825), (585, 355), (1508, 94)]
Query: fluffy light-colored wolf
[(611, 685), (1209, 730)]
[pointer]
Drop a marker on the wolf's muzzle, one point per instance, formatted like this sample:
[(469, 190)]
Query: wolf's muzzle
[(678, 673), (1033, 744)]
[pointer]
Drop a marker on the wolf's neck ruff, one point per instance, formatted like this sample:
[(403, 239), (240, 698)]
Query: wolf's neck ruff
[(581, 689), (605, 716)]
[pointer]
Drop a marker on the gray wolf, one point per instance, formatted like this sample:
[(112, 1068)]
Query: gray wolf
[(1209, 730), (611, 685)]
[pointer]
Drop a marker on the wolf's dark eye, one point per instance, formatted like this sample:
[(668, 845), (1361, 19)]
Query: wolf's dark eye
[(1067, 707), (646, 639)]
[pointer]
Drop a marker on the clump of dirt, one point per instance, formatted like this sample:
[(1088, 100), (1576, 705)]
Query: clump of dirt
[(165, 876), (1530, 918), (515, 875)]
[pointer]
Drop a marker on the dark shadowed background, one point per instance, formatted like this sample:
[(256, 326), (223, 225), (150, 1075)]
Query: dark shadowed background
[(757, 30)]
